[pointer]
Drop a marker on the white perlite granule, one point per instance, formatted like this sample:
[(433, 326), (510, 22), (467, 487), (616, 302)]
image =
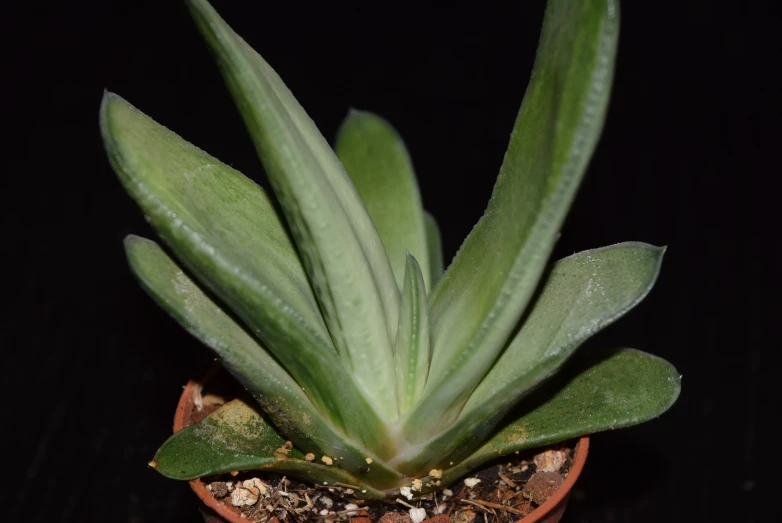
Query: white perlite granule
[(417, 515)]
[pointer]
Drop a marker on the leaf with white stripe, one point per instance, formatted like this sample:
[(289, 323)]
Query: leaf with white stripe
[(282, 399), (343, 255), (412, 338), (224, 229)]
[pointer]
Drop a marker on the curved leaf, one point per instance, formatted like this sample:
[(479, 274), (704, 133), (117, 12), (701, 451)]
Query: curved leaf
[(225, 231), (484, 292), (582, 294), (379, 165), (236, 437), (279, 395), (603, 390), (342, 252)]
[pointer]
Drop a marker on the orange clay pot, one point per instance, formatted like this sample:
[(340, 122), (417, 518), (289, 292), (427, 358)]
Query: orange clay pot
[(216, 512)]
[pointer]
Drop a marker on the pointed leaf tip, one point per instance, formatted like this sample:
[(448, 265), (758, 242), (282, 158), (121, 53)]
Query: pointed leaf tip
[(237, 437), (342, 253), (600, 390), (225, 231), (283, 399), (580, 295), (379, 165), (411, 348), (489, 283)]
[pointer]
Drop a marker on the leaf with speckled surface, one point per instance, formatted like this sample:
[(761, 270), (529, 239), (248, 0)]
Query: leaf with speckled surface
[(283, 400), (489, 284), (223, 228), (342, 252), (600, 390), (237, 437), (580, 295)]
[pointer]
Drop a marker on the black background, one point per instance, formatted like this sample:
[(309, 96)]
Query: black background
[(92, 370)]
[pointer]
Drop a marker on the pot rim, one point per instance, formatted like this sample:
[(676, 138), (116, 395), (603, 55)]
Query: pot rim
[(555, 503)]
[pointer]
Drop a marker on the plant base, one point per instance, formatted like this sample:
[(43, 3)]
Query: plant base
[(526, 500)]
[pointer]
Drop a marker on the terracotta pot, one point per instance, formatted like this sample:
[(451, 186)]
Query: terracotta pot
[(215, 512)]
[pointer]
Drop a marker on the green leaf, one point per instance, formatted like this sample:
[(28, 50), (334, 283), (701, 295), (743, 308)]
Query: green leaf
[(484, 292), (224, 229), (581, 295), (412, 337), (342, 252), (602, 390), (281, 397), (435, 247), (236, 437), (379, 165)]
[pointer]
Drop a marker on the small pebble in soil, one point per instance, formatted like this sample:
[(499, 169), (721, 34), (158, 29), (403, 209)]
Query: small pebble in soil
[(394, 517), (255, 483), (417, 515), (219, 489), (508, 483), (550, 460), (241, 497), (542, 485), (464, 516)]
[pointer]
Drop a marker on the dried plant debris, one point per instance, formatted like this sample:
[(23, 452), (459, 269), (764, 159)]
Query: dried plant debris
[(501, 493)]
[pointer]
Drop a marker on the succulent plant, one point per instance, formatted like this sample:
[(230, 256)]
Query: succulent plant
[(330, 305)]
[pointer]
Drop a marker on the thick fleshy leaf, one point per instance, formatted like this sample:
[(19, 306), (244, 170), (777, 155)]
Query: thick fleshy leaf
[(342, 252), (582, 294), (486, 288), (435, 248), (411, 350), (224, 229), (282, 399), (237, 437), (601, 390), (377, 161)]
